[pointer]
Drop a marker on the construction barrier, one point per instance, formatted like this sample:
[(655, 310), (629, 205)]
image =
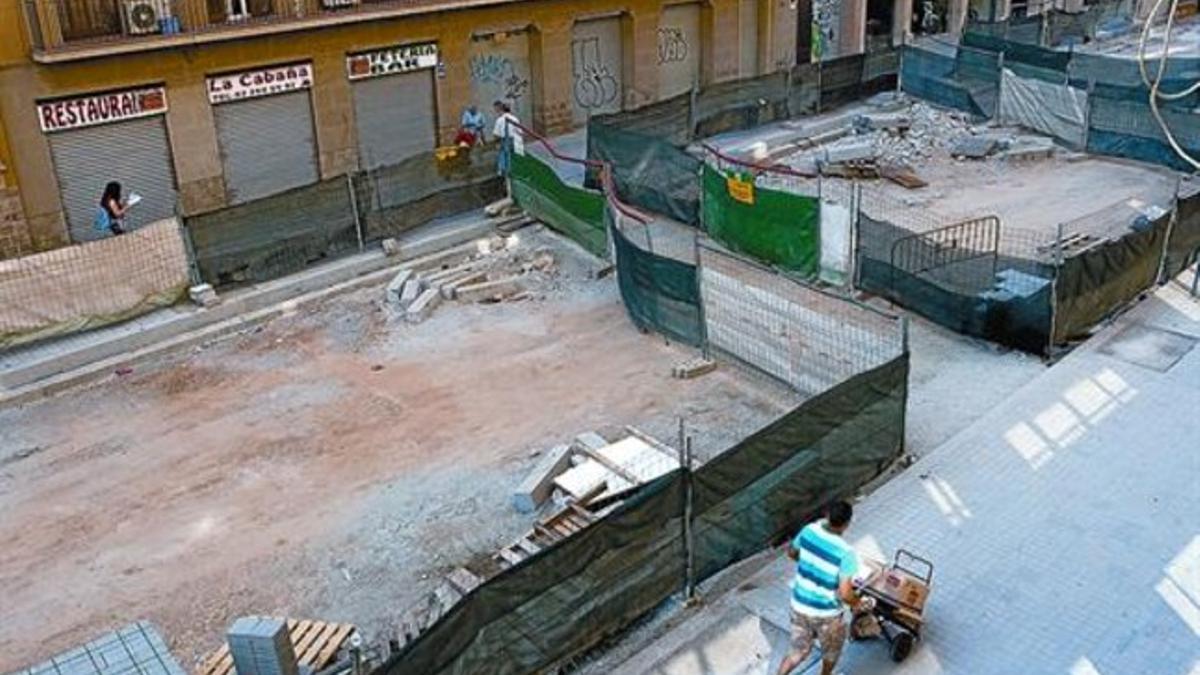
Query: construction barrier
[(777, 227), (573, 595), (92, 284), (282, 234), (575, 212)]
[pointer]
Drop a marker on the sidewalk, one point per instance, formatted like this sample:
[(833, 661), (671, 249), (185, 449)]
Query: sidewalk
[(1064, 526)]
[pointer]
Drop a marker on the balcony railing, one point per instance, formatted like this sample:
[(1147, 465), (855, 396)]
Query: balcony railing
[(67, 26)]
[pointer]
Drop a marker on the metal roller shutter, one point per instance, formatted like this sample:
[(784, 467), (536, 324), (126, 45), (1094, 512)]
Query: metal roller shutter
[(396, 118), (500, 72), (134, 153), (679, 50), (596, 68), (748, 38), (267, 145)]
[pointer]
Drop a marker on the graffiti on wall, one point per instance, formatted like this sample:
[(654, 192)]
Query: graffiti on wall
[(826, 20), (498, 71), (672, 45), (595, 84)]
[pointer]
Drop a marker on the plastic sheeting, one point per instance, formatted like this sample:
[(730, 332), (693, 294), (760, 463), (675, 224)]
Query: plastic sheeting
[(1055, 110), (93, 284), (575, 212), (778, 228)]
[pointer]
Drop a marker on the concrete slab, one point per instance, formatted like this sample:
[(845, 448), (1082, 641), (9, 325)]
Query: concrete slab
[(1148, 347)]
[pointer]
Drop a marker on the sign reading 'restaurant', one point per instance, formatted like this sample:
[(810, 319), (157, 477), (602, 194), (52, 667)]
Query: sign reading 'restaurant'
[(262, 82), (89, 111), (402, 59)]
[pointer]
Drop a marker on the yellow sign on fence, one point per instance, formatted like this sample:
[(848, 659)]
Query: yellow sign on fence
[(741, 190)]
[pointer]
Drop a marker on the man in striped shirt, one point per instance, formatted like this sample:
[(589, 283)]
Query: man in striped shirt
[(825, 568)]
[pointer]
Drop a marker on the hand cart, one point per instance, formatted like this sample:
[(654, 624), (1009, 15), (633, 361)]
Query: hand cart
[(899, 591)]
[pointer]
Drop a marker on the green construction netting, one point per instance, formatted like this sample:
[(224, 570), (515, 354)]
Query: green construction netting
[(660, 293), (1003, 299), (271, 237), (648, 172), (762, 489), (571, 596), (779, 228), (575, 212), (1099, 281), (1183, 245)]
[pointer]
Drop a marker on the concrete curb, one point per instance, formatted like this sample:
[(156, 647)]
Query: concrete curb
[(239, 311)]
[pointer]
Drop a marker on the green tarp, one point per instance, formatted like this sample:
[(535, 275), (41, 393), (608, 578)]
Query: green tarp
[(571, 596), (660, 293), (779, 228), (1095, 283), (575, 212)]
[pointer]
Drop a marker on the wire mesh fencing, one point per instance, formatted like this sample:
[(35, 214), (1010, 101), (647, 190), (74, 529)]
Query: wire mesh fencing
[(804, 336), (92, 284)]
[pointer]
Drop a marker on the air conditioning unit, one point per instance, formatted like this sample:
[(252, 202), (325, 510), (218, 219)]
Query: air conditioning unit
[(337, 4), (143, 17)]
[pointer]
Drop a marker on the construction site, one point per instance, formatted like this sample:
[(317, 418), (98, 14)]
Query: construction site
[(951, 280)]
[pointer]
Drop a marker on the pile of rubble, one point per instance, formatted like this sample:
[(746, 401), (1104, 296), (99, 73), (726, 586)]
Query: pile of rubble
[(488, 270), (895, 135)]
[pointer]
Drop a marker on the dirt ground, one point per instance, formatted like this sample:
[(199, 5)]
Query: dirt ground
[(331, 464)]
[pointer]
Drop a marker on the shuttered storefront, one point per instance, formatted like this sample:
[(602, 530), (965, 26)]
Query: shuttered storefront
[(395, 105), (265, 129), (119, 136), (597, 65), (499, 66), (748, 63), (679, 49)]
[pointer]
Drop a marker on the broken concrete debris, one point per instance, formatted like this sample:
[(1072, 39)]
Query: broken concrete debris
[(693, 368), (539, 484), (486, 270), (396, 285), (391, 247), (203, 295)]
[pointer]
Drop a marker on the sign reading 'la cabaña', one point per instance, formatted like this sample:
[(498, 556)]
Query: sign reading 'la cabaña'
[(89, 111), (262, 82), (401, 59)]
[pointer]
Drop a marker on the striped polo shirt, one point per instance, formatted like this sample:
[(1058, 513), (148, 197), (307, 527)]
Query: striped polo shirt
[(824, 558)]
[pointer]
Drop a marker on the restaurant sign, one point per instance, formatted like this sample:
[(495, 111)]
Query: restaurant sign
[(261, 82), (95, 109), (393, 60)]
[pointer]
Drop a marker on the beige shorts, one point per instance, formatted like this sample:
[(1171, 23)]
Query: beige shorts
[(829, 632)]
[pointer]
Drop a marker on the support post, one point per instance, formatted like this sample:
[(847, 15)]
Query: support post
[(358, 225), (685, 461)]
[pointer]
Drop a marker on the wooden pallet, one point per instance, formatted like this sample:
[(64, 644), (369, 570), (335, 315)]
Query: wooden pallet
[(457, 584), (316, 644), (571, 519)]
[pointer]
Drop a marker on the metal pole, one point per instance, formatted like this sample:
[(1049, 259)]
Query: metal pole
[(358, 226), (689, 585), (904, 334)]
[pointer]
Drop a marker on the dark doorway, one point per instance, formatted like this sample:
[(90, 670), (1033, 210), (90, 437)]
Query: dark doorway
[(804, 19)]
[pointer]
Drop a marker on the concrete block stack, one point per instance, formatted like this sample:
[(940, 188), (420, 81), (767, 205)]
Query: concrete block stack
[(261, 646)]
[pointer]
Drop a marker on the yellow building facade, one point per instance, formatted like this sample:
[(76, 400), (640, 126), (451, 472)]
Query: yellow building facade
[(195, 94)]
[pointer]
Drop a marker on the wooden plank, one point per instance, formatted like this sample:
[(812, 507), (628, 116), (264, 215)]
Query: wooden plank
[(327, 632), (219, 662), (562, 529), (313, 634), (302, 628), (545, 532), (335, 643), (653, 442), (609, 464), (464, 579), (510, 556), (579, 511), (528, 546)]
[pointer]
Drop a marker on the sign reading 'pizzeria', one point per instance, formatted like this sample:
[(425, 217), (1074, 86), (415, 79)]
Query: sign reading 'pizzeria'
[(392, 60), (262, 82), (89, 111)]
